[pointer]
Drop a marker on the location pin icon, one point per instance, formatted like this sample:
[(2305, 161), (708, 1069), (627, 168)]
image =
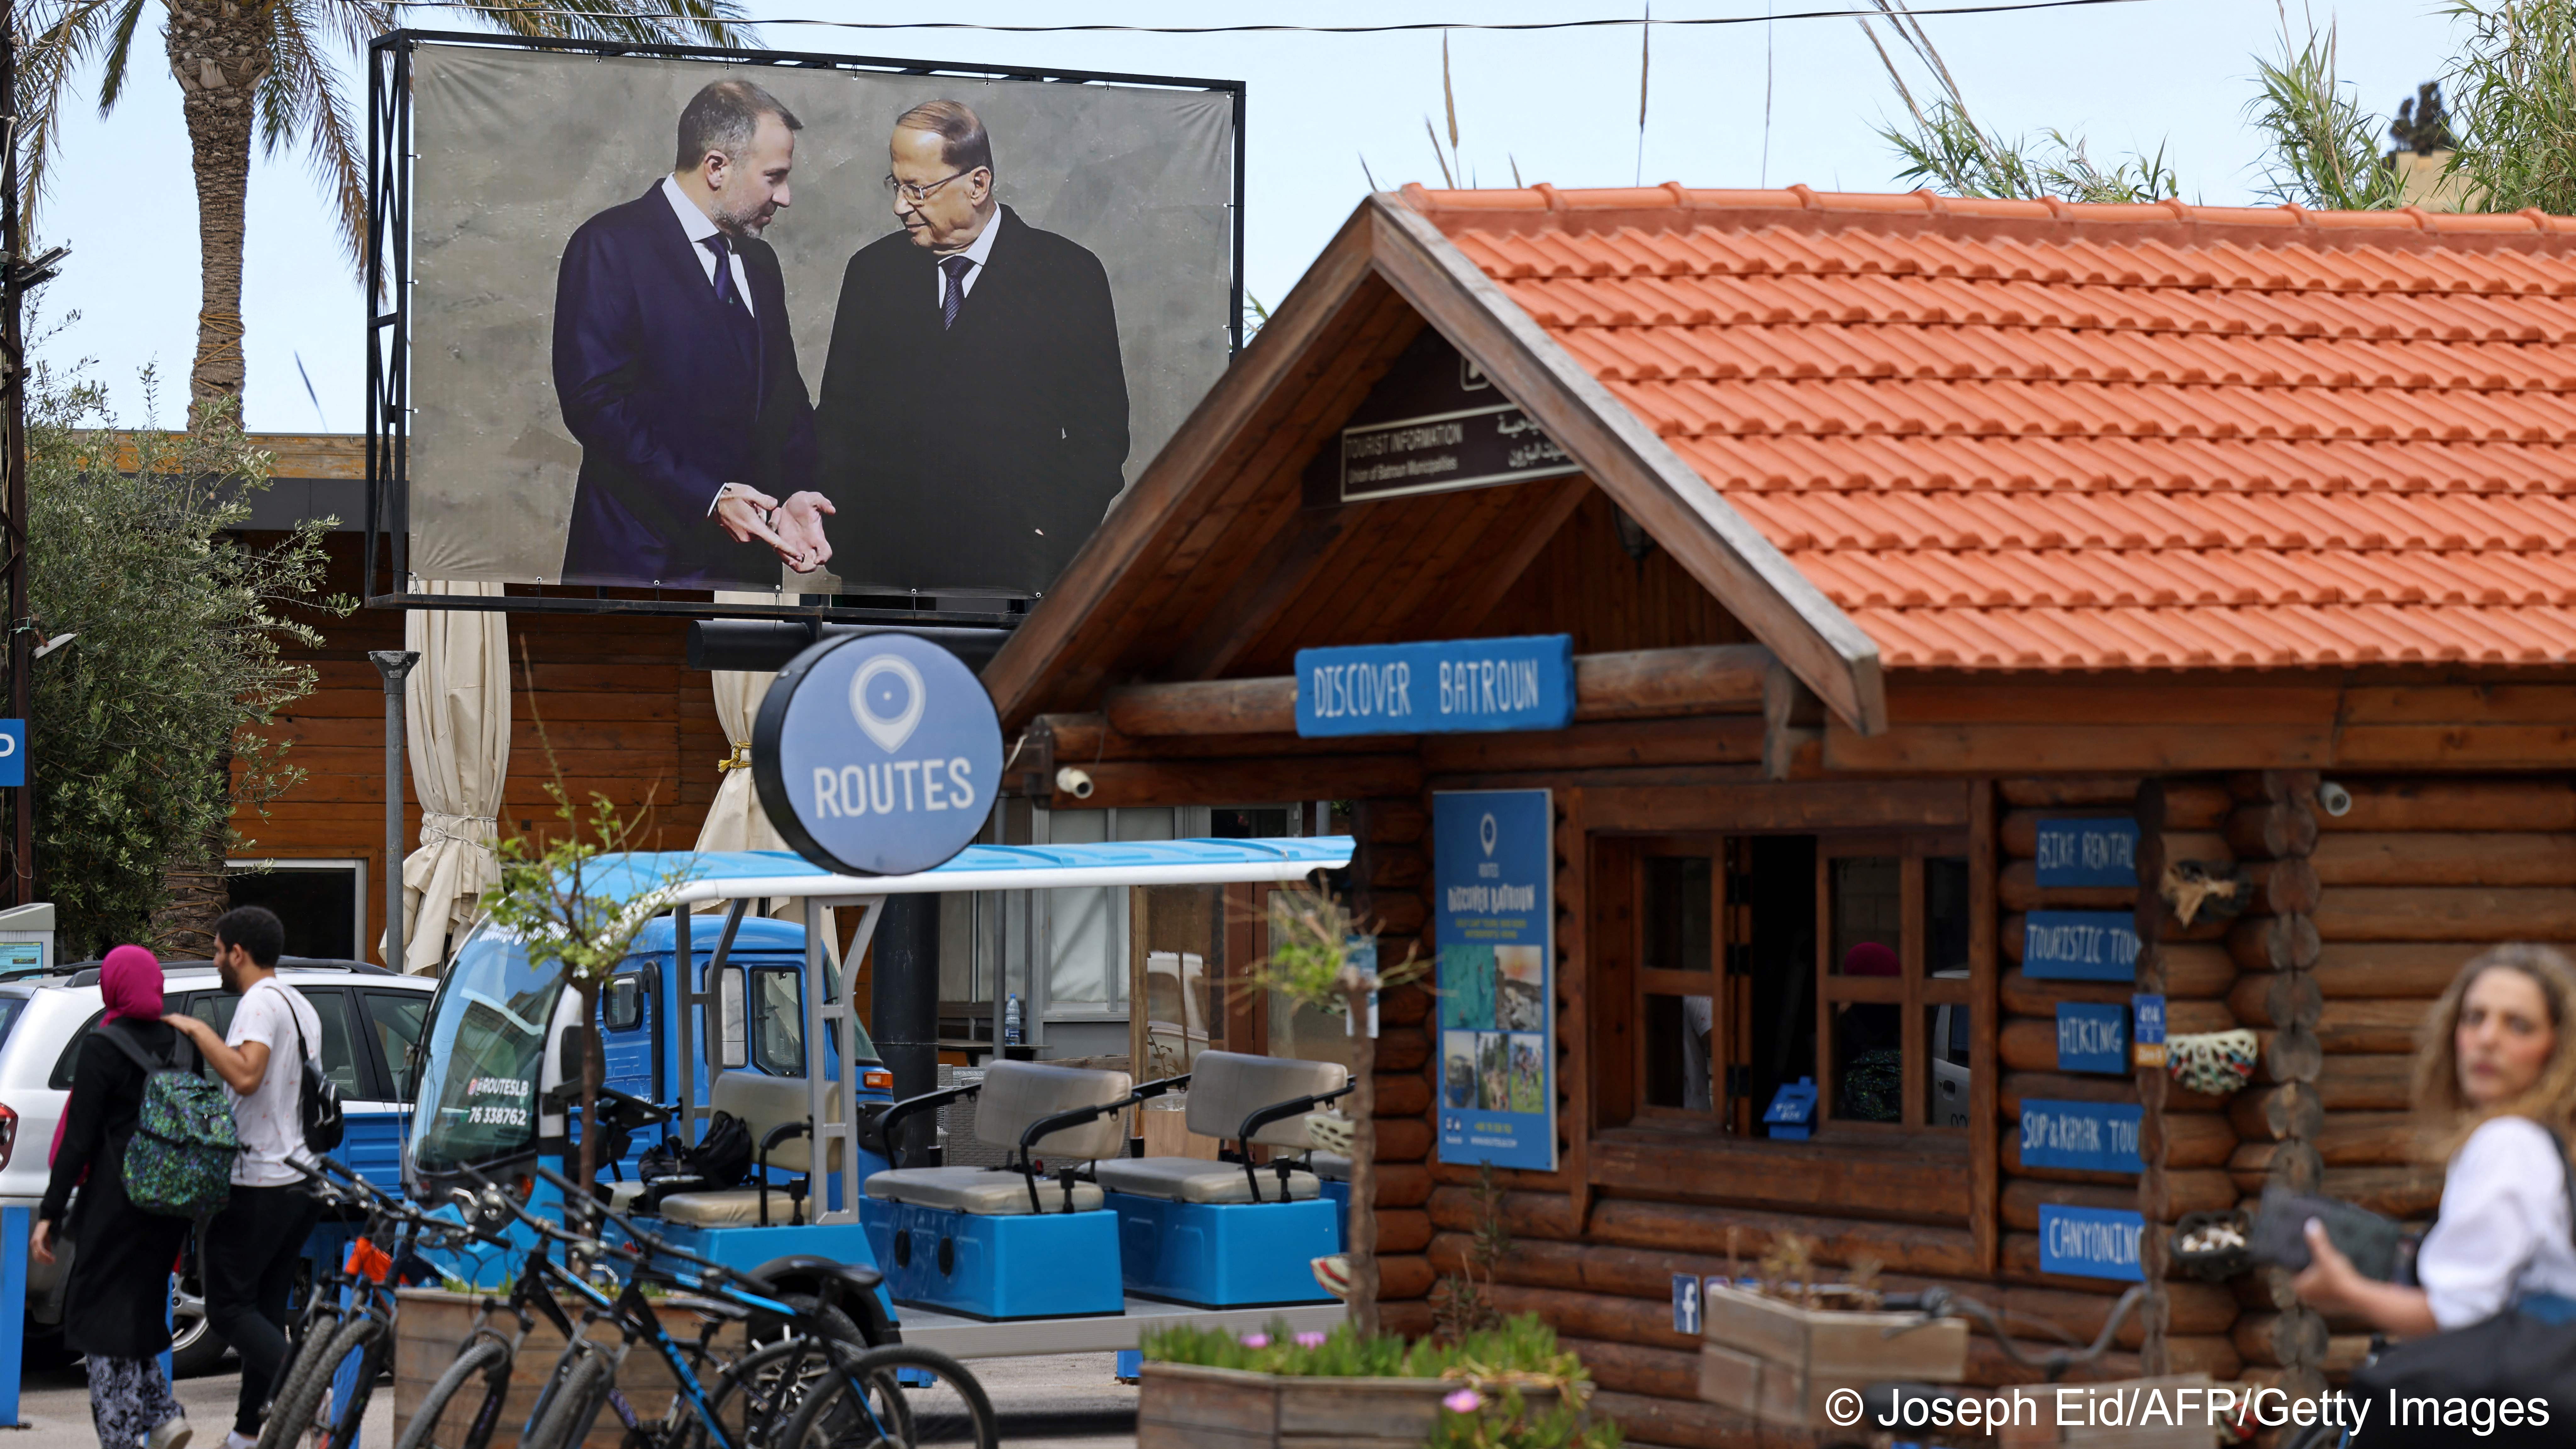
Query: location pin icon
[(1485, 833), (888, 731)]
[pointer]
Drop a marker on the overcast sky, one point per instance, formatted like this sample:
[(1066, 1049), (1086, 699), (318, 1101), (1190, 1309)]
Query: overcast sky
[(1563, 105)]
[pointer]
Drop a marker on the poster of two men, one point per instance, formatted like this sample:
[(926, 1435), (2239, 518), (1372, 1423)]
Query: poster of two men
[(690, 325)]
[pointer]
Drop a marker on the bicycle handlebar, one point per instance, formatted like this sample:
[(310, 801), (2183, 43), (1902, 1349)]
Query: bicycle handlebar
[(1933, 1303)]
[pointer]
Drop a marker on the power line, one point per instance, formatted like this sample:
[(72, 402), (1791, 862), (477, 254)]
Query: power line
[(1416, 25)]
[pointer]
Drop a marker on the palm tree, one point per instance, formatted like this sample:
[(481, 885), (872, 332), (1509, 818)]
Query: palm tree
[(264, 68)]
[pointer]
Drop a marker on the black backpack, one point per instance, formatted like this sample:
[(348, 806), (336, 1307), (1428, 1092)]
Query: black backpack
[(723, 1157), (317, 1098)]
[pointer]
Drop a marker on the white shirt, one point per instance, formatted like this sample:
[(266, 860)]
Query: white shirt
[(976, 252), (1698, 1012), (270, 1119), (700, 228), (2502, 1235)]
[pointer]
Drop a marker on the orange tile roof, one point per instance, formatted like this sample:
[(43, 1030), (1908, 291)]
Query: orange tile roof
[(2022, 435)]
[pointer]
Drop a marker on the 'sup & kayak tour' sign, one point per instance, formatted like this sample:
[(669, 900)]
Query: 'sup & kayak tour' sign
[(1496, 933), (877, 754)]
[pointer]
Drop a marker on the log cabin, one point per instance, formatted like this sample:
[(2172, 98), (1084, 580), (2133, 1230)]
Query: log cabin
[(1951, 587)]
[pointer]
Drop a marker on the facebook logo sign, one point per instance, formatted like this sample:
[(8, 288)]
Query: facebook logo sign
[(13, 752)]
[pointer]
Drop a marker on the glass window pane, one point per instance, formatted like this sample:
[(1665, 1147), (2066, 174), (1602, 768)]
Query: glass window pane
[(778, 1022), (398, 1017), (1677, 1051), (1869, 1062), (1945, 916), (1869, 916), (1949, 1029), (1303, 1032), (1677, 911)]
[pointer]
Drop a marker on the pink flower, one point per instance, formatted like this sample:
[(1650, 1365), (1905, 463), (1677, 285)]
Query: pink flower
[(1256, 1340), (1310, 1340), (1465, 1401)]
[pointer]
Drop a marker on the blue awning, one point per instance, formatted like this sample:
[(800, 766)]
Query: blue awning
[(694, 876)]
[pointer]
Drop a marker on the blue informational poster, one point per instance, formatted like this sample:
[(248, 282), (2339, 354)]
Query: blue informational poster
[(1495, 927), (2092, 1037), (2080, 946), (2100, 852), (2091, 1242)]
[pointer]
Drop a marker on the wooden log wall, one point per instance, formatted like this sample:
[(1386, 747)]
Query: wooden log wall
[(2185, 1140), (2271, 830), (1390, 885)]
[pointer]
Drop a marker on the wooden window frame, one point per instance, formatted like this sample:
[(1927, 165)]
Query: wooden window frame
[(1912, 991)]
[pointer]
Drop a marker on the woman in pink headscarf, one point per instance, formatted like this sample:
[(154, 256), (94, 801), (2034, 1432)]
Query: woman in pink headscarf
[(115, 1307)]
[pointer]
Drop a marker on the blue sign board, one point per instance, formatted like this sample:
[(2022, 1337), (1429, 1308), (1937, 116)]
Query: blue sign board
[(2151, 1019), (877, 754), (1492, 855), (2081, 1136), (2080, 946), (2092, 1037), (13, 752), (2091, 1242), (1686, 1304), (2088, 852), (1467, 684)]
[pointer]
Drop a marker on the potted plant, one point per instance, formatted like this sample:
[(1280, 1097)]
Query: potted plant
[(1777, 1346), (1512, 1387)]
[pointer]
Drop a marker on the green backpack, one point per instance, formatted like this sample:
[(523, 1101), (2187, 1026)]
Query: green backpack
[(179, 1162)]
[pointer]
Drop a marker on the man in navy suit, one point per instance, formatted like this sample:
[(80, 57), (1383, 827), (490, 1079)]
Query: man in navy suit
[(675, 371), (973, 400)]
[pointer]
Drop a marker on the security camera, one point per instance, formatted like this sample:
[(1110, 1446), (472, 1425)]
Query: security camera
[(2334, 799), (1073, 782)]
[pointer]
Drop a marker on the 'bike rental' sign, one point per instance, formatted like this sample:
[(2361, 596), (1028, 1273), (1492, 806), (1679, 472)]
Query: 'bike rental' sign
[(877, 754)]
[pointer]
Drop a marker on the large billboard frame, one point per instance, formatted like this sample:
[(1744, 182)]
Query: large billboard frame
[(389, 287)]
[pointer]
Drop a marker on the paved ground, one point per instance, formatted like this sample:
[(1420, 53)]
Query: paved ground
[(1065, 1402)]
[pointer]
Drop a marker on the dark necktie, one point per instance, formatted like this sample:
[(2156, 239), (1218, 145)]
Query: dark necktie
[(956, 267), (723, 248)]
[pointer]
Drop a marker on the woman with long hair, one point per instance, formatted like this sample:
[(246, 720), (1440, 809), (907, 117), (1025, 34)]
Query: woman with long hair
[(116, 1304), (2495, 1086)]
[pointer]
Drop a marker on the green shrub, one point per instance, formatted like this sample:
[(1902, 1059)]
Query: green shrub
[(1522, 1345), (1470, 1420)]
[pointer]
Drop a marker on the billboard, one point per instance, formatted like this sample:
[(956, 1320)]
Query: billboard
[(747, 321)]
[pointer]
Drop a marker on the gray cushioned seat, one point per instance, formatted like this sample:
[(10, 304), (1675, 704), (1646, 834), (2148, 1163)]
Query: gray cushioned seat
[(764, 1103), (990, 1192), (1193, 1179), (1330, 1166), (731, 1208)]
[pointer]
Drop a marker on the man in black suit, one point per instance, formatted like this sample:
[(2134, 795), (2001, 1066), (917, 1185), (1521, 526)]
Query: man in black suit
[(674, 368), (973, 396)]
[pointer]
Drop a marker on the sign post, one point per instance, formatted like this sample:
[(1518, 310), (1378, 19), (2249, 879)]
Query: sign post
[(1492, 859)]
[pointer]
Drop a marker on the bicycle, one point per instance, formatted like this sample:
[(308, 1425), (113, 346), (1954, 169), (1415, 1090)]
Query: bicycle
[(1909, 1410), (821, 1349), (304, 1408)]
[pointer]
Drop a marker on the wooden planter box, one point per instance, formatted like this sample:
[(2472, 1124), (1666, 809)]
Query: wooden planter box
[(1183, 1407), (1777, 1362), (431, 1324)]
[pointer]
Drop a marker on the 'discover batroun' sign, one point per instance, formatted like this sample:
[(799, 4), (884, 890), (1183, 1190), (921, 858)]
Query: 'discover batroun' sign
[(2080, 1136), (2091, 1242), (877, 754), (1491, 855), (2100, 852), (1437, 688), (2080, 946)]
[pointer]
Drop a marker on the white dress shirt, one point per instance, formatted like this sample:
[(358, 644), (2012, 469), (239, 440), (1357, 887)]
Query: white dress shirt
[(976, 252), (700, 228), (2503, 1233)]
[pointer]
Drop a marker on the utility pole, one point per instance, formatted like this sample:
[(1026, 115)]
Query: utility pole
[(395, 665), (19, 275)]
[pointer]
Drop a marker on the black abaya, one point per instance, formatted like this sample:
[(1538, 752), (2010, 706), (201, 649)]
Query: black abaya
[(117, 1303)]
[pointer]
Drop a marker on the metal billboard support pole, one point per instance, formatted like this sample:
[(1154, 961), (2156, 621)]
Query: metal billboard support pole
[(396, 666), (904, 997)]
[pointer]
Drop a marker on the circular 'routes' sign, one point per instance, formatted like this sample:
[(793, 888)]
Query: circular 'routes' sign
[(877, 754)]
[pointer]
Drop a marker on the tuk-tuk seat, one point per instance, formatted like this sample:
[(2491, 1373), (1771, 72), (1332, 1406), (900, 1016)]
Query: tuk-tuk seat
[(1329, 1166), (1244, 1098), (1014, 1097), (765, 1104)]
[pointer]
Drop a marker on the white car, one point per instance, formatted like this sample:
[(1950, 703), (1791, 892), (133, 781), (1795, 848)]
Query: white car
[(371, 1025)]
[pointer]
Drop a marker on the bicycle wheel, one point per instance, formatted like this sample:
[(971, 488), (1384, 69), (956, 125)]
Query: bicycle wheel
[(579, 1396), (461, 1408), (900, 1396), (754, 1396), (301, 1415)]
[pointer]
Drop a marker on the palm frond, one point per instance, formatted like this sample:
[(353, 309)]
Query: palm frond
[(59, 40), (300, 100), (648, 22), (120, 49)]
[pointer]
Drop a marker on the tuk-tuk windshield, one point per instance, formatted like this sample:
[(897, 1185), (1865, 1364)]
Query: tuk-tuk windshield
[(485, 1053)]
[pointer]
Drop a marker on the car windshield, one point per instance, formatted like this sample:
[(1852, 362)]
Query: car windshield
[(487, 1043)]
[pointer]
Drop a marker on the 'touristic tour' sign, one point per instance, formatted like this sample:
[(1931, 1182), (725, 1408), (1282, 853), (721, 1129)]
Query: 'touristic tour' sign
[(877, 754), (1491, 855), (2088, 852), (1437, 688), (2091, 1242), (2080, 946)]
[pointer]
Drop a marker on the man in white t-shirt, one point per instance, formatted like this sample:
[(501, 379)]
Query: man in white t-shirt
[(253, 1245)]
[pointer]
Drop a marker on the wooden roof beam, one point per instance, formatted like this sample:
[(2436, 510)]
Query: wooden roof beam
[(1641, 473), (1636, 684)]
